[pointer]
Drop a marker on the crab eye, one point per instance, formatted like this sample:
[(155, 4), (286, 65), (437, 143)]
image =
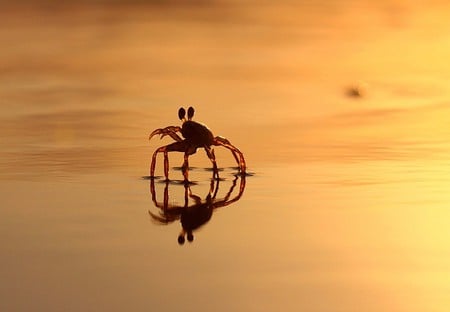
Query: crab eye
[(181, 113), (190, 112)]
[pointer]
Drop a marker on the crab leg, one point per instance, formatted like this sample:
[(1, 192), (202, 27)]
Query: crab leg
[(185, 167), (212, 157), (238, 156), (174, 147), (162, 149)]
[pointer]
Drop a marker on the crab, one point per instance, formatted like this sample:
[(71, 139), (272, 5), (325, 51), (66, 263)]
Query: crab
[(193, 216), (196, 135)]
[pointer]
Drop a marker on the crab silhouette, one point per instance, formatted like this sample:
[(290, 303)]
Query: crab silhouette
[(193, 216), (196, 135)]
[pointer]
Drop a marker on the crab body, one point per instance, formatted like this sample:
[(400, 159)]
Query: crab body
[(196, 135)]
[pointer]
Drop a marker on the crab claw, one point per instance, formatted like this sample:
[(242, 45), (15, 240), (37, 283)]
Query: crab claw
[(156, 132), (170, 131)]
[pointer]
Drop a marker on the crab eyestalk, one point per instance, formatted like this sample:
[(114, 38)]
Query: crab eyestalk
[(182, 113), (190, 112)]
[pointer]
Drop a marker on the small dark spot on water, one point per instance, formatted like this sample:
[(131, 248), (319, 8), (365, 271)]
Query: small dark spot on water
[(179, 168), (356, 91), (211, 169), (247, 174), (162, 180)]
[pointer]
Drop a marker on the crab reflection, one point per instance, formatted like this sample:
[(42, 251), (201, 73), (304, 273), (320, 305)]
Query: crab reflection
[(193, 215)]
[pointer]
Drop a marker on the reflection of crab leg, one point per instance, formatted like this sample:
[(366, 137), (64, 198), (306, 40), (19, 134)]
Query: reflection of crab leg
[(226, 201), (227, 197), (196, 198), (164, 218), (165, 205), (220, 141), (166, 196), (211, 188), (170, 131), (153, 192), (216, 191), (187, 191)]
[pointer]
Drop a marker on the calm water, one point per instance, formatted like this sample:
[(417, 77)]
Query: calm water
[(346, 207)]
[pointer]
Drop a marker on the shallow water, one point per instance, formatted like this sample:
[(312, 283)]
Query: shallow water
[(345, 206)]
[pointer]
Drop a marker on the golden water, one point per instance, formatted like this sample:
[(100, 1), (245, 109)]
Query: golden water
[(346, 207)]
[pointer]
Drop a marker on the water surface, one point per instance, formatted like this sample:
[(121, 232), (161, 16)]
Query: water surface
[(346, 204)]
